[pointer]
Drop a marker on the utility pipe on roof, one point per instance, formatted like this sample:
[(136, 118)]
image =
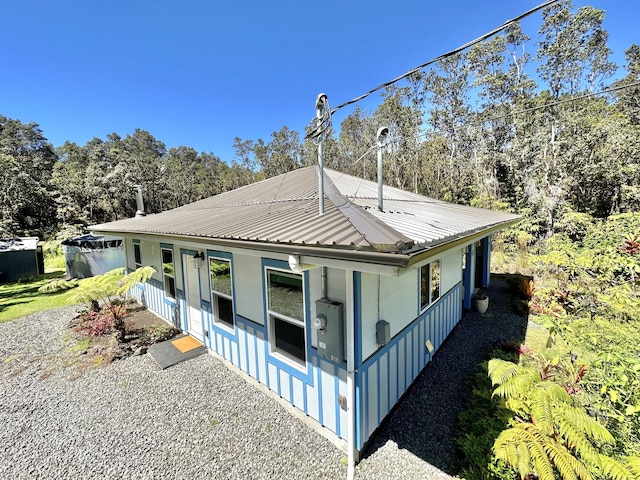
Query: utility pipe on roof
[(321, 105), (383, 133)]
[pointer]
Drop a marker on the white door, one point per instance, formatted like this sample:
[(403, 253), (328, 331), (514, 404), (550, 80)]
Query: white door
[(192, 295)]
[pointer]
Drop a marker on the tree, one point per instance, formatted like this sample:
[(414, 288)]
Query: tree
[(449, 133), (26, 163), (573, 50), (281, 154)]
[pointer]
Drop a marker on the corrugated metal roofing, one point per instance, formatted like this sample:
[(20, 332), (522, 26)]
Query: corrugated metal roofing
[(284, 209)]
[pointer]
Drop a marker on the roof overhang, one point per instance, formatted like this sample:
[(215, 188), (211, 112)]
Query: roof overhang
[(404, 259)]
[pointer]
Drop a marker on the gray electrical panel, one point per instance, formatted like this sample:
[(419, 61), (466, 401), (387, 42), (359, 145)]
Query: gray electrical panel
[(330, 325), (383, 332)]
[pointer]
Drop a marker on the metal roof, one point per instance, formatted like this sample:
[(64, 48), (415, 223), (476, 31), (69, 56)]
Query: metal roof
[(284, 210)]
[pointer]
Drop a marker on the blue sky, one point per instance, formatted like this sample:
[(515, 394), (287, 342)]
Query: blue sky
[(199, 73)]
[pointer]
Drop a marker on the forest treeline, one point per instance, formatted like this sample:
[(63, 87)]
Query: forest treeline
[(495, 126)]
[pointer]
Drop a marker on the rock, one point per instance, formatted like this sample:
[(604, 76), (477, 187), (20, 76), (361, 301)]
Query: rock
[(140, 351)]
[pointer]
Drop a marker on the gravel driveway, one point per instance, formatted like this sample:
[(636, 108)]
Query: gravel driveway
[(198, 419)]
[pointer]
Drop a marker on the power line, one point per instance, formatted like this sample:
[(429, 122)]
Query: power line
[(566, 100), (445, 55), (478, 120)]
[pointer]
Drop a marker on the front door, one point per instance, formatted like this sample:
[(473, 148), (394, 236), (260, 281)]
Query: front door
[(192, 296)]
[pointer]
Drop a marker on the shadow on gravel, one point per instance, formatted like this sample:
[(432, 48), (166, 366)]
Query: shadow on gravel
[(424, 422)]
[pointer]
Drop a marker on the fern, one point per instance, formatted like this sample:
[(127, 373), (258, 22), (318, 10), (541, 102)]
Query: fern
[(550, 435)]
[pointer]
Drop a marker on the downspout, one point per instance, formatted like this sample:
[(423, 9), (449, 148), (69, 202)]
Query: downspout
[(351, 384)]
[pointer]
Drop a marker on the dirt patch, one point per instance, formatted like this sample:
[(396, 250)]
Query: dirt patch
[(96, 342)]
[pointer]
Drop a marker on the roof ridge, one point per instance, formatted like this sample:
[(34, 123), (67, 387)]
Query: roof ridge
[(378, 234)]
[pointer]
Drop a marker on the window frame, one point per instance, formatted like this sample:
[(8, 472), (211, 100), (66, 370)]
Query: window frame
[(272, 315), (432, 295), (137, 255), (215, 294), (165, 275)]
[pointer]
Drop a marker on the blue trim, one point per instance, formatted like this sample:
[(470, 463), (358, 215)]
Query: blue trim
[(337, 390), (135, 241), (320, 409), (305, 376), (378, 375), (357, 317), (486, 257), (467, 276), (233, 336), (168, 246), (170, 301)]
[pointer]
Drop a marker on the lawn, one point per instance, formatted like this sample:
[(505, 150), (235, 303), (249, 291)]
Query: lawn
[(22, 298)]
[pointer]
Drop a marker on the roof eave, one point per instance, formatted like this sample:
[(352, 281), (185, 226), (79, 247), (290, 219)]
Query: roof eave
[(403, 259)]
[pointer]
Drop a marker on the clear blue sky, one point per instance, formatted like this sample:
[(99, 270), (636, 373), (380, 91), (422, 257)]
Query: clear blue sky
[(201, 72)]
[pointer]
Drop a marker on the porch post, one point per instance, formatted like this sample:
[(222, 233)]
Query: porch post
[(468, 272), (351, 386), (486, 256)]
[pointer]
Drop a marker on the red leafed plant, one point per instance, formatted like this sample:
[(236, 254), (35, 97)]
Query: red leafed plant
[(631, 244)]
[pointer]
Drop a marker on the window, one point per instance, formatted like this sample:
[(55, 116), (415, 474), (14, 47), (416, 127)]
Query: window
[(221, 291), (429, 283), (285, 309), (168, 275), (137, 257)]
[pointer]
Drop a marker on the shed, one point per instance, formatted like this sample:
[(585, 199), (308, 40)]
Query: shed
[(336, 311), (90, 255), (20, 257)]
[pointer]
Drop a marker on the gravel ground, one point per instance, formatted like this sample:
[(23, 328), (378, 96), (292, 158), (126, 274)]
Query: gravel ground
[(198, 419)]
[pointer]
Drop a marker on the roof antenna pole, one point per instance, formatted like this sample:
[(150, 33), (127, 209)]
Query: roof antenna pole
[(322, 112), (382, 136)]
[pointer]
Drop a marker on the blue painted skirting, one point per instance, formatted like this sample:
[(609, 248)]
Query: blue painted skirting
[(380, 381), (385, 376)]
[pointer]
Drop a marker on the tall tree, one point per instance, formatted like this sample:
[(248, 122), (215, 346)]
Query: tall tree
[(26, 163), (573, 51), (281, 154)]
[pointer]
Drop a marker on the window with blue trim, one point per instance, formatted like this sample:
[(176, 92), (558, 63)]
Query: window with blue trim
[(221, 291), (429, 284), (285, 309), (168, 273)]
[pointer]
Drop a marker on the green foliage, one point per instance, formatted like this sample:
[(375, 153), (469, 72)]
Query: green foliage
[(23, 298), (58, 285), (105, 288), (550, 435)]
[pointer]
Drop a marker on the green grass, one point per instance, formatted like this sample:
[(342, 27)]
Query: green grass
[(22, 298)]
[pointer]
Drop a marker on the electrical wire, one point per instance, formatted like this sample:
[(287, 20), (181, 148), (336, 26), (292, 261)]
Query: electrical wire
[(443, 56), (479, 120)]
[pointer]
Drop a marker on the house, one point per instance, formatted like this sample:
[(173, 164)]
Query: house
[(336, 312)]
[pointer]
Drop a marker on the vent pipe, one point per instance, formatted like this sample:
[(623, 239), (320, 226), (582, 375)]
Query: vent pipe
[(139, 202), (322, 104), (382, 136)]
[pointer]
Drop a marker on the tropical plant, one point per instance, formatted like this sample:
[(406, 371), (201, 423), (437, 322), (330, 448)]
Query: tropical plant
[(58, 285), (106, 288), (550, 435)]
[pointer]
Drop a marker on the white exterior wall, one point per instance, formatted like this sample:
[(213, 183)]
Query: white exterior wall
[(398, 306), (450, 270)]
